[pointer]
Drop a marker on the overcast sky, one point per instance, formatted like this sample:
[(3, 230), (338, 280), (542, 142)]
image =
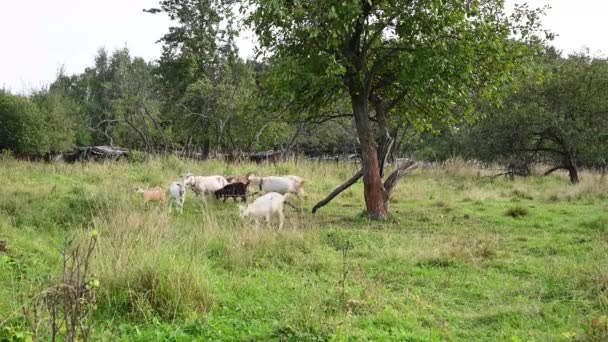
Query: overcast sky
[(38, 36)]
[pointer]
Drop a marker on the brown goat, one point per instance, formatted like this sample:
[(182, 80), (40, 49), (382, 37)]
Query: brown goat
[(239, 179), (156, 194)]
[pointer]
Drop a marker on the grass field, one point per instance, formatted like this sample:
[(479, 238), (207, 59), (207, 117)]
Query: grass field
[(461, 258)]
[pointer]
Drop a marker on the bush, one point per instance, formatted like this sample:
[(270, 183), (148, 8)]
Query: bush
[(22, 127)]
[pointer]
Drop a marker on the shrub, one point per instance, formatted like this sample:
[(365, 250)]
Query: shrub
[(22, 128)]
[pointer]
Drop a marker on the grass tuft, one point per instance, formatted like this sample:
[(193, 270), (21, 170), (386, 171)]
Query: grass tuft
[(517, 212), (522, 193)]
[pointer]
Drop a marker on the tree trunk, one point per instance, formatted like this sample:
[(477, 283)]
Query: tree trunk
[(206, 145), (573, 174), (376, 199), (386, 141), (571, 167), (572, 171)]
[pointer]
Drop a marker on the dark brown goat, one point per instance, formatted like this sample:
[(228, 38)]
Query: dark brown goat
[(234, 190)]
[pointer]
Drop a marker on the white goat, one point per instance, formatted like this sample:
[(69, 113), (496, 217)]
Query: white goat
[(265, 206), (204, 184), (280, 184), (177, 193)]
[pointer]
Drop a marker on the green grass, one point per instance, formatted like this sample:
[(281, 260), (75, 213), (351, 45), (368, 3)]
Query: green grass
[(461, 258)]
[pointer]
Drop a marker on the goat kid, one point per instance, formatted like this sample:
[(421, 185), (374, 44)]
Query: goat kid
[(156, 194)]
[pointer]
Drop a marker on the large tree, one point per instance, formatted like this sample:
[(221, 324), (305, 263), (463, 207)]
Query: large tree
[(211, 95), (562, 120), (395, 60), (198, 58)]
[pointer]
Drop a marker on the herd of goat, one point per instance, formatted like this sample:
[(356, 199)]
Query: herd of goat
[(274, 190)]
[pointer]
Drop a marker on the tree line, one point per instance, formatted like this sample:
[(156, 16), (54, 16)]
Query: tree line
[(428, 78), (125, 101), (559, 117)]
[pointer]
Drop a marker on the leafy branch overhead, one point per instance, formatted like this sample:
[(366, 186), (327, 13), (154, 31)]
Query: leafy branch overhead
[(423, 56)]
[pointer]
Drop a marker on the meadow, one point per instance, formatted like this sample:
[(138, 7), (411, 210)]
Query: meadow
[(462, 257)]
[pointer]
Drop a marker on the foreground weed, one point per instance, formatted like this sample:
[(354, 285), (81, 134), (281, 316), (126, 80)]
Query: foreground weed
[(65, 310)]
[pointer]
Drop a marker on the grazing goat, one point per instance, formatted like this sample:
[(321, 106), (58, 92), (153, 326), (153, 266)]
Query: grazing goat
[(280, 184), (177, 193), (265, 206), (152, 194), (233, 190), (201, 185)]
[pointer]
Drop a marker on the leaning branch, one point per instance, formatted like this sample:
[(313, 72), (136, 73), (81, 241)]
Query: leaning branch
[(394, 177), (553, 169), (498, 175), (338, 190)]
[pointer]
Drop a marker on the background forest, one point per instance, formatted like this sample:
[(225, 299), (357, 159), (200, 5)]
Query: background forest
[(200, 96)]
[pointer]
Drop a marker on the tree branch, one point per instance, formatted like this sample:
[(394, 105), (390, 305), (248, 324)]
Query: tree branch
[(323, 119), (258, 135), (394, 177), (158, 127), (368, 44), (553, 169), (140, 132), (105, 131), (338, 190)]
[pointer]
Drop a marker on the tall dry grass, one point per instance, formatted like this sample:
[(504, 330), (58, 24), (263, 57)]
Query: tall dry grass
[(591, 183), (474, 181)]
